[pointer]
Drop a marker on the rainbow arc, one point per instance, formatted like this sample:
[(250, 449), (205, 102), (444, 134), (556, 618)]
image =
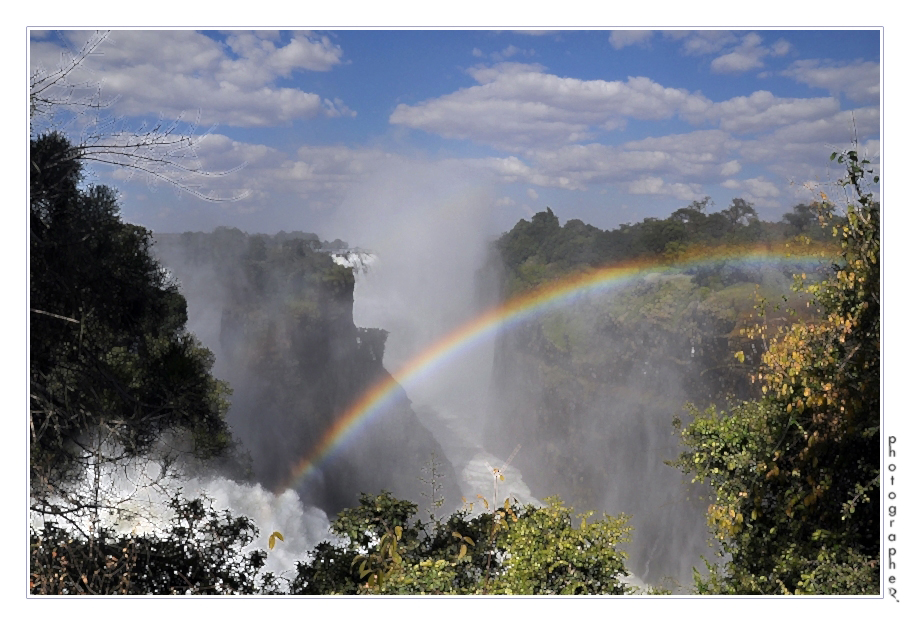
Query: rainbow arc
[(376, 399)]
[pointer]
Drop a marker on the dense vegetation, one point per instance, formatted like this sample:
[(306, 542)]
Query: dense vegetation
[(509, 550), (590, 389), (791, 473), (795, 473), (537, 251)]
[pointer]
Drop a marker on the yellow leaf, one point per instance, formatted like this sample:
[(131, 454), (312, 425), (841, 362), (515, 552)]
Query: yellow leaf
[(273, 537)]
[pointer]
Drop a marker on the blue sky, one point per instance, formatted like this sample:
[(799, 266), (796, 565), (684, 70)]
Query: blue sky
[(604, 126)]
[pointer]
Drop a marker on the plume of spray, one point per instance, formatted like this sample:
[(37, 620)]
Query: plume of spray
[(430, 226), (302, 526)]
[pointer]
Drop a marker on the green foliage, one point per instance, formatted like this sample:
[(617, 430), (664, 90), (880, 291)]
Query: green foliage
[(376, 567), (511, 550), (795, 474), (546, 554), (537, 251)]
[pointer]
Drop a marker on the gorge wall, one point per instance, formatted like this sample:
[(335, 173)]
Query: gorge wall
[(277, 313)]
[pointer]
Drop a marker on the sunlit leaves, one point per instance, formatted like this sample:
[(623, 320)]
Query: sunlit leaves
[(510, 550), (795, 475)]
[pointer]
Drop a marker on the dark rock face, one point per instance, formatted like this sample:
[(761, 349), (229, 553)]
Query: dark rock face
[(286, 343)]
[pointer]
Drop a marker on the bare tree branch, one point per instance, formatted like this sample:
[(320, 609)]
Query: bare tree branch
[(56, 100)]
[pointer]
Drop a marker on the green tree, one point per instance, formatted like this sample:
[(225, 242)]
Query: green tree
[(511, 550), (795, 474), (114, 376)]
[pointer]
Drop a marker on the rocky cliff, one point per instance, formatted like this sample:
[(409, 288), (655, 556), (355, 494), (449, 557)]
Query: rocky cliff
[(277, 312)]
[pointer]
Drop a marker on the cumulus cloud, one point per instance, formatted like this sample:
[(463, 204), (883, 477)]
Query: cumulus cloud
[(695, 157), (329, 168), (322, 174), (759, 191), (509, 52), (703, 41), (622, 38), (518, 105), (532, 194), (801, 140), (652, 185), (799, 151), (761, 188), (169, 72), (730, 168), (762, 111), (744, 57), (302, 52), (859, 80), (781, 47)]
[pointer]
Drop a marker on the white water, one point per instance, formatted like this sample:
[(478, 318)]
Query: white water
[(357, 259), (141, 500)]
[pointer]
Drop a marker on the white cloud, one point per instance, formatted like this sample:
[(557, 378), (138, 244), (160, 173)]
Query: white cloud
[(858, 80), (169, 72), (532, 194), (747, 55), (744, 57), (758, 192), (761, 188), (781, 47), (656, 186), (730, 168), (799, 151), (302, 52), (694, 158), (807, 140), (509, 52), (622, 38), (763, 111), (703, 41), (519, 105), (510, 169), (322, 174), (476, 52)]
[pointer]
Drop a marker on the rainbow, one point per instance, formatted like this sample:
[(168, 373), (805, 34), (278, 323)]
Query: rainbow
[(382, 394)]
